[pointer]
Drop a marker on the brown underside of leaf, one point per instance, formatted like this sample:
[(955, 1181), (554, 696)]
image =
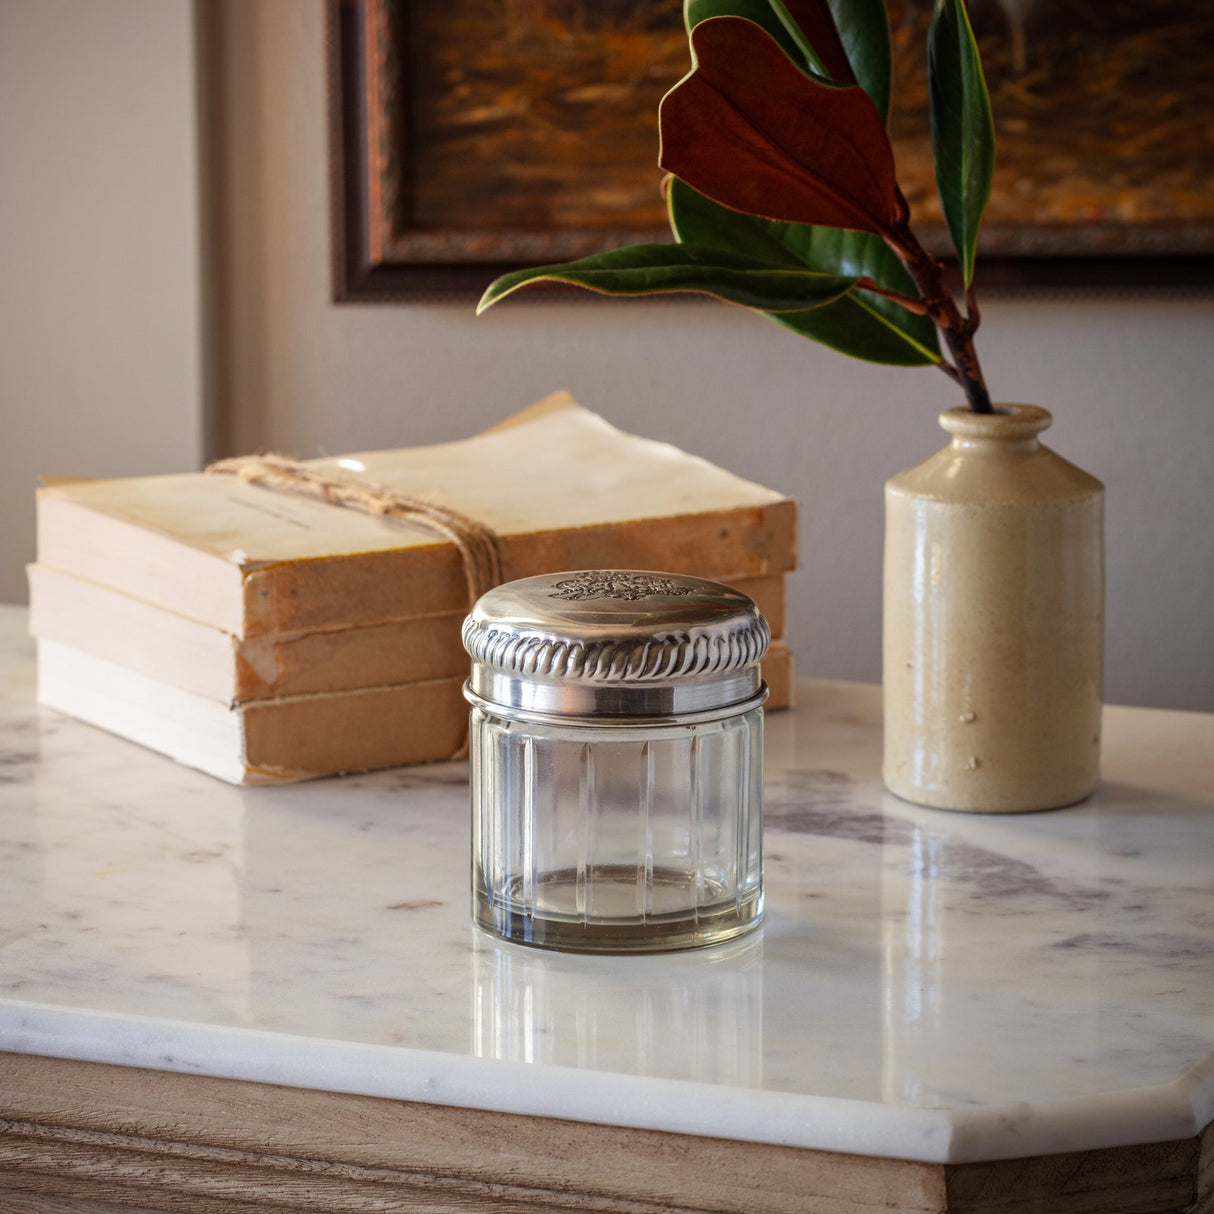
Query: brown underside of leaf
[(751, 131)]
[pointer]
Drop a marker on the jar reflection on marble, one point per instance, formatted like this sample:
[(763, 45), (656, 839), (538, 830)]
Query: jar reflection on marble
[(616, 737), (696, 1017)]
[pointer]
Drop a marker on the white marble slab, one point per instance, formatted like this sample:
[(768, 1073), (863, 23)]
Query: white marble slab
[(926, 985)]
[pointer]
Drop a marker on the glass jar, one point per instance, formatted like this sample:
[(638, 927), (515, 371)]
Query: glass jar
[(616, 741)]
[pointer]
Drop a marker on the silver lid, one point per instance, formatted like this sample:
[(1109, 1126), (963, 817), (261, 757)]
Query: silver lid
[(616, 643)]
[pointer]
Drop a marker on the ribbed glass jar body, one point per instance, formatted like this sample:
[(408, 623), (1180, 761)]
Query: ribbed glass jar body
[(617, 837)]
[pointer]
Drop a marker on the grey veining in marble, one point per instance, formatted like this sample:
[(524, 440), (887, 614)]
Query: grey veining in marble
[(926, 985)]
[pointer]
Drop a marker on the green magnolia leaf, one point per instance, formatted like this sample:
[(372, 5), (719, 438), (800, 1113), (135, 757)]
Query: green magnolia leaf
[(752, 131), (861, 324), (761, 13), (812, 27), (863, 27), (650, 269), (854, 327), (963, 132)]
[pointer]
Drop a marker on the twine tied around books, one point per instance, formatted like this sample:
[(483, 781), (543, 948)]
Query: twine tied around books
[(476, 543)]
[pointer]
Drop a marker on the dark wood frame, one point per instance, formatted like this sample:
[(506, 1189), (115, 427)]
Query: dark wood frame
[(373, 263)]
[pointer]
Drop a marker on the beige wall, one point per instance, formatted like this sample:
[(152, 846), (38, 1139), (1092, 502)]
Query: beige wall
[(100, 371), (1128, 378)]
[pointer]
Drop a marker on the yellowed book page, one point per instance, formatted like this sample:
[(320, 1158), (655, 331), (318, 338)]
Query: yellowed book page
[(196, 731), (779, 673), (368, 588), (305, 736), (565, 467), (131, 633), (769, 594), (269, 741), (209, 662), (560, 486), (298, 738), (354, 731), (387, 726)]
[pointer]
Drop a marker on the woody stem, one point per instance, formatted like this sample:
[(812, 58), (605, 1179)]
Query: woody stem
[(957, 330)]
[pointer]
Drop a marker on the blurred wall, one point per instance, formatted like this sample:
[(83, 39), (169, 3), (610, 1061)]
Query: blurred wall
[(1127, 376), (100, 302)]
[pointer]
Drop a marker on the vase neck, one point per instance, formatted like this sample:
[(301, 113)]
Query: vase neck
[(1008, 428)]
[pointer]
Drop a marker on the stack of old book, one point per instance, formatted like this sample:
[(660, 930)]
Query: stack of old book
[(263, 636)]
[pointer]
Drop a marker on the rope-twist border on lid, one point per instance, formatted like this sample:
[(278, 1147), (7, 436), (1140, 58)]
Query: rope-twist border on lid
[(675, 655)]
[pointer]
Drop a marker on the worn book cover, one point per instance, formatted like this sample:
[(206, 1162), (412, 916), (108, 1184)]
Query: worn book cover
[(560, 487)]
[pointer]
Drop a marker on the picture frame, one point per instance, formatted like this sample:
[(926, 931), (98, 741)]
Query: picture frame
[(464, 146)]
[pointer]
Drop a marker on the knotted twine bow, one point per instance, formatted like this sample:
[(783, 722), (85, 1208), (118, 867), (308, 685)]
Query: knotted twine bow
[(476, 543)]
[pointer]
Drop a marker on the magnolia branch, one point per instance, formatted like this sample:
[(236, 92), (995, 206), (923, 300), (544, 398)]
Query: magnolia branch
[(937, 302)]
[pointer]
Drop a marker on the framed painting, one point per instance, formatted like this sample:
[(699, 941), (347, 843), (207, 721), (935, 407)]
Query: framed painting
[(474, 138)]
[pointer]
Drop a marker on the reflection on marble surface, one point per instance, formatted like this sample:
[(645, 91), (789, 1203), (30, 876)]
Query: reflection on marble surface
[(925, 985), (692, 1015)]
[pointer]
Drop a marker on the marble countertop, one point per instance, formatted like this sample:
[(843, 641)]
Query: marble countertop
[(926, 985)]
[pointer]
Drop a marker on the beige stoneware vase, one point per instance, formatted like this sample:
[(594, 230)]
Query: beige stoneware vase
[(994, 620)]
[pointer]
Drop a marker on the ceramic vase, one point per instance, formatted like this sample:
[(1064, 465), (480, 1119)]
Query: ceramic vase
[(994, 620)]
